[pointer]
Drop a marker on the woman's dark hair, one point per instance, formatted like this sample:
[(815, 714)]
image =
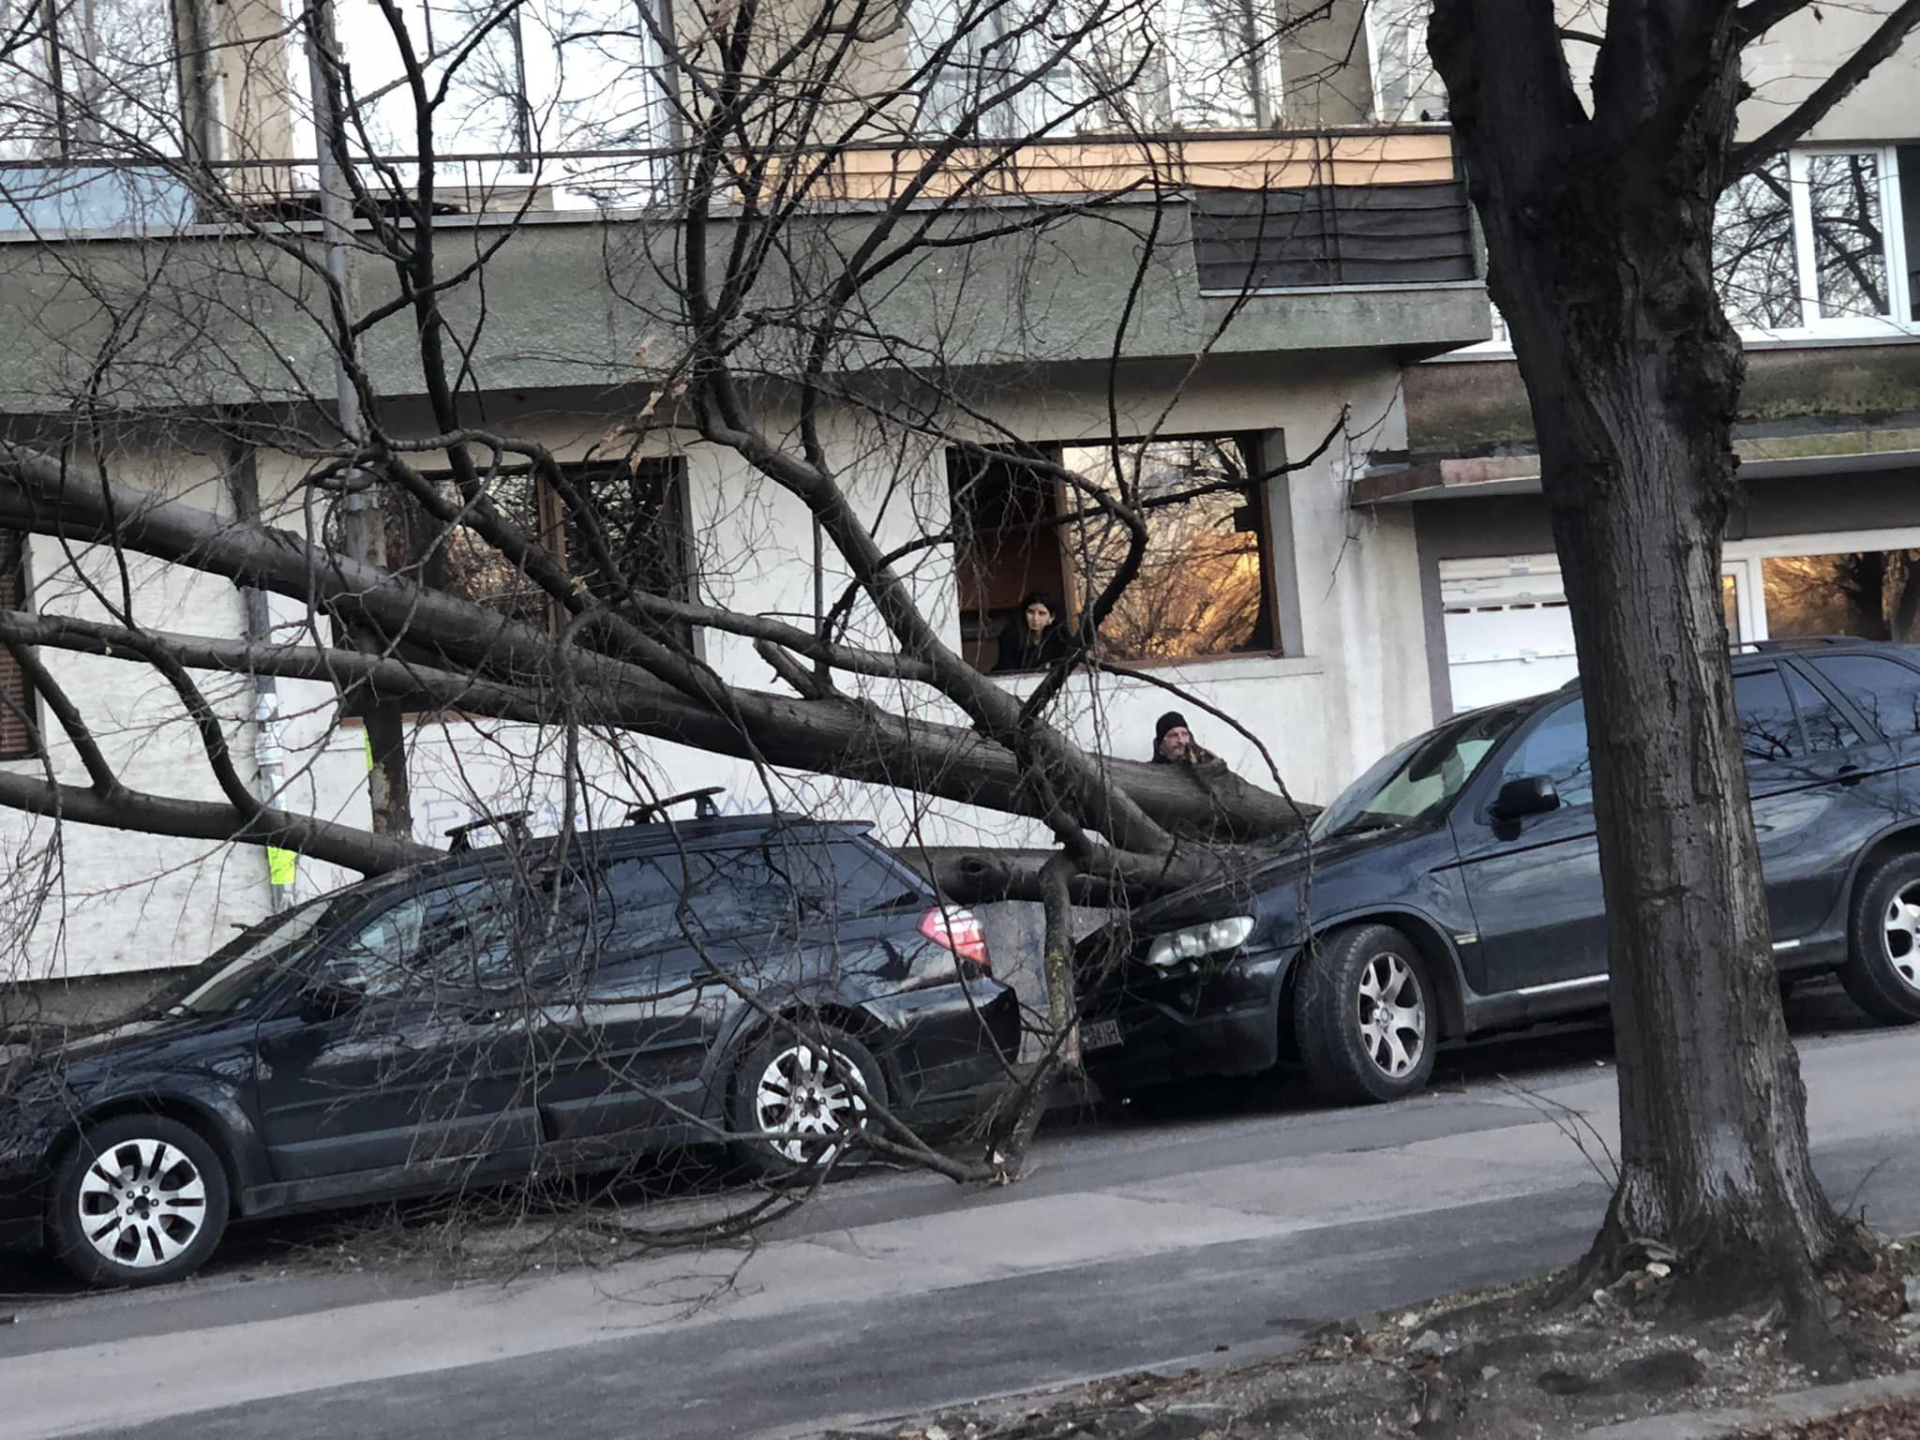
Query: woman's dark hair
[(1039, 597)]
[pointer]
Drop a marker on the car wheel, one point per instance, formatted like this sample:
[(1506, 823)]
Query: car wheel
[(793, 1109), (137, 1200), (1882, 973), (1364, 1015)]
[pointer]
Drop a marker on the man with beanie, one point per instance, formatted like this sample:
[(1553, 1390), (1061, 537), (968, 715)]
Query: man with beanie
[(1173, 742)]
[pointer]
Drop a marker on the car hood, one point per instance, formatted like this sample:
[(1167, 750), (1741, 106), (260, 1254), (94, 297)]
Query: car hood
[(1269, 890)]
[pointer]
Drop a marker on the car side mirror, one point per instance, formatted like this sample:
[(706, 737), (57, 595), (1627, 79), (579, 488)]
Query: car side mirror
[(1524, 796)]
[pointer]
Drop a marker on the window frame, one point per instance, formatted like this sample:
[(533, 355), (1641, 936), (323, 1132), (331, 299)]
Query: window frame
[(1901, 324), (1900, 319), (16, 592), (1272, 534), (554, 524)]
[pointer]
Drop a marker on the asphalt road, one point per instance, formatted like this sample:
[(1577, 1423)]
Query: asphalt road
[(1221, 1223)]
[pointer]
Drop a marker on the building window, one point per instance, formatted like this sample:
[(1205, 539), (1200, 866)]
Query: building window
[(1819, 240), (1872, 594), (18, 719), (1205, 586), (639, 509), (1405, 87), (1164, 66)]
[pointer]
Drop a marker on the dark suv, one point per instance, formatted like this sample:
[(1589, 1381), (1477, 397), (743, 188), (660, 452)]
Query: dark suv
[(1454, 889), (550, 1004)]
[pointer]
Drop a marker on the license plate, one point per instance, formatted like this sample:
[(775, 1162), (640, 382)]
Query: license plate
[(1099, 1035)]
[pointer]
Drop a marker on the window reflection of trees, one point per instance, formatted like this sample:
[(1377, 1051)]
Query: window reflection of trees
[(1873, 594), (1849, 234), (1201, 589), (1754, 258)]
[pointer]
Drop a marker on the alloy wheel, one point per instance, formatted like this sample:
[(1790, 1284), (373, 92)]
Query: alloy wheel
[(1901, 934), (804, 1108), (1393, 1015), (142, 1203)]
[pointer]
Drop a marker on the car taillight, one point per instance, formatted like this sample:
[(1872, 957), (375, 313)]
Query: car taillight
[(959, 931)]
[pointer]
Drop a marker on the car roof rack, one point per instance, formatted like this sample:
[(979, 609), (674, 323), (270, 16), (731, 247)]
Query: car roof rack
[(703, 806), (513, 823), (1801, 642)]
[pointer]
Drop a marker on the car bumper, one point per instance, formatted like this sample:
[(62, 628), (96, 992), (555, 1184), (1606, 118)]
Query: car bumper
[(948, 1046), (1224, 1022)]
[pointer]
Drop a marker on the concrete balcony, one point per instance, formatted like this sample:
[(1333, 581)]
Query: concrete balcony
[(1235, 244)]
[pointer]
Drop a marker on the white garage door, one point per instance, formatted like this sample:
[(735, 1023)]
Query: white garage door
[(1508, 631)]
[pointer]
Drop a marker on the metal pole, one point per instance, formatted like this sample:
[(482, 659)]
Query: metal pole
[(364, 525), (243, 484)]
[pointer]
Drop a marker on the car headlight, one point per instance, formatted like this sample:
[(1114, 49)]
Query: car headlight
[(1197, 940)]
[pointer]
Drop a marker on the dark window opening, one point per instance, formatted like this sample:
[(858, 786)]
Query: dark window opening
[(18, 717), (1206, 581), (637, 509)]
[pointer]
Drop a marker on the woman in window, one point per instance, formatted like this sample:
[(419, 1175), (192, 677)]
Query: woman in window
[(1034, 638)]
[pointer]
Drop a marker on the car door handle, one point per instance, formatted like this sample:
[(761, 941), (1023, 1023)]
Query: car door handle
[(1849, 774)]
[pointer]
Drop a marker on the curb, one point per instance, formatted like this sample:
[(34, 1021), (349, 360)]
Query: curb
[(1820, 1403)]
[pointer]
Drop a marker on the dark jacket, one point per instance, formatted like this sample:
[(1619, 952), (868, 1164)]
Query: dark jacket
[(1019, 652)]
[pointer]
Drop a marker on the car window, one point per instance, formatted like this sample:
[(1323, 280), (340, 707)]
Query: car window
[(455, 937), (1826, 728), (842, 879), (1557, 750), (1420, 778), (1769, 729), (1885, 690)]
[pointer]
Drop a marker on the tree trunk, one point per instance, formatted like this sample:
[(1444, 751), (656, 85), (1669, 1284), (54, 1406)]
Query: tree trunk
[(1599, 223)]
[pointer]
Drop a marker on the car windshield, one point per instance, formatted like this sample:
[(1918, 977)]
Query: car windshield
[(238, 971), (1420, 778)]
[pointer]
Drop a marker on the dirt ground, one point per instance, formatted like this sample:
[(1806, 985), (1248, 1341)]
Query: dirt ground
[(1497, 1366)]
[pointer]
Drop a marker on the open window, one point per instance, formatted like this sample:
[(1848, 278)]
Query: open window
[(1206, 584)]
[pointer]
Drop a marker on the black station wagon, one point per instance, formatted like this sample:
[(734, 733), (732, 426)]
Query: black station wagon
[(502, 1013), (1455, 889)]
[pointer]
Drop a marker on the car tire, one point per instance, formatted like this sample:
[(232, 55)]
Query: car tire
[(137, 1200), (1354, 1050), (791, 1112), (1882, 971)]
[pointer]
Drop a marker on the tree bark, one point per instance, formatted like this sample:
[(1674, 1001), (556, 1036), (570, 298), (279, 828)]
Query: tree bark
[(488, 665), (1599, 236)]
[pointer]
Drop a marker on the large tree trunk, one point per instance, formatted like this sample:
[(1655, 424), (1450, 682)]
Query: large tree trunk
[(1599, 235)]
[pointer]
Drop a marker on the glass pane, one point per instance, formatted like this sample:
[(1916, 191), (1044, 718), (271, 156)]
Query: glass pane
[(1557, 749), (1201, 589), (1754, 262), (639, 513), (1826, 727), (1849, 234), (1730, 607), (1769, 729), (1885, 691), (1405, 89), (991, 64), (1872, 594), (1218, 64), (1909, 159)]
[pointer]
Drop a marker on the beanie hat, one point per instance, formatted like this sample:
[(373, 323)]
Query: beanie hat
[(1172, 720)]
